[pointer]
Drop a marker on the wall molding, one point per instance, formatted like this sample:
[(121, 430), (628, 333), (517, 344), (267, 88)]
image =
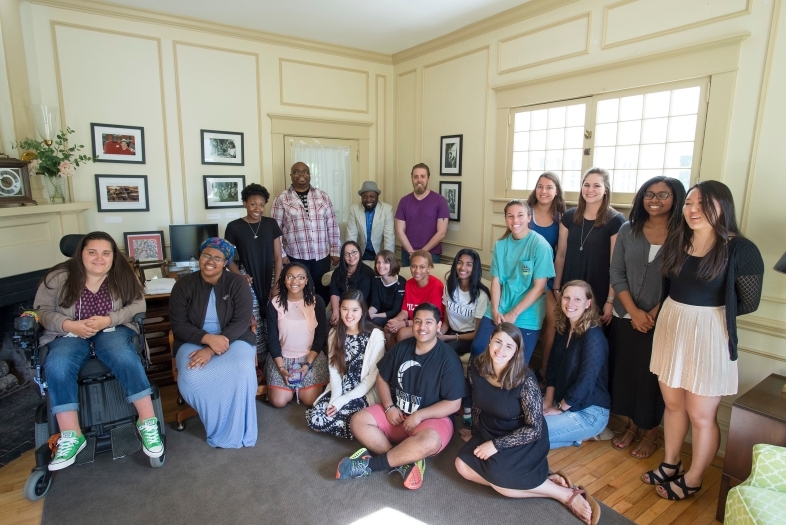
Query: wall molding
[(194, 24), (773, 299), (762, 325), (280, 116), (380, 131), (512, 16), (281, 62), (760, 353), (607, 9), (585, 51)]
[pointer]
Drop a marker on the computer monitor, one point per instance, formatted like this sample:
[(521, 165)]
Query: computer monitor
[(184, 241)]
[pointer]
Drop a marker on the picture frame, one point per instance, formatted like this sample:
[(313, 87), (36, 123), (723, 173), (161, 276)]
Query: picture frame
[(15, 189), (223, 191), (117, 193), (222, 147), (145, 246), (115, 143), (452, 193), (450, 153)]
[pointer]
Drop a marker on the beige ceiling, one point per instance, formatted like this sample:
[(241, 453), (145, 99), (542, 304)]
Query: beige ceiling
[(384, 26)]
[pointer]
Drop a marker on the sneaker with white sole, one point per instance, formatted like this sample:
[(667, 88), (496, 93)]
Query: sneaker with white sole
[(412, 473), (355, 466), (152, 445), (68, 446)]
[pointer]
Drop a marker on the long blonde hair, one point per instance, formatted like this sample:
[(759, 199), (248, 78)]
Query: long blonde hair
[(587, 320)]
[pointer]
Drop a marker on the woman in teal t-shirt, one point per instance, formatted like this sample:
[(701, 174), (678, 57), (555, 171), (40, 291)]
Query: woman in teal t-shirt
[(520, 267)]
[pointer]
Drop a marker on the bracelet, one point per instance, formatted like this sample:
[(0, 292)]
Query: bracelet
[(388, 408), (457, 338), (610, 300)]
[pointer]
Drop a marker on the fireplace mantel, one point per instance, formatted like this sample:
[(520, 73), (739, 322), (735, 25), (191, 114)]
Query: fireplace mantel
[(30, 235)]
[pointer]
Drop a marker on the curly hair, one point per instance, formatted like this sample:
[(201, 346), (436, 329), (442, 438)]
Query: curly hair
[(588, 319), (255, 189), (309, 296)]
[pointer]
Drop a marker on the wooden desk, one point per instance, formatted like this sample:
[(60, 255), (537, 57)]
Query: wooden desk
[(758, 416), (157, 335)]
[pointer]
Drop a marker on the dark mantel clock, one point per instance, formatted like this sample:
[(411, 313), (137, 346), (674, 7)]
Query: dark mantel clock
[(14, 183)]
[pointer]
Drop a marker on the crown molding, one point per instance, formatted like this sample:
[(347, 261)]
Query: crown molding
[(205, 26), (762, 325), (511, 16), (280, 116)]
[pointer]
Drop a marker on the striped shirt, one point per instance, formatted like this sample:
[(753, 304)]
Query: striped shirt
[(312, 233)]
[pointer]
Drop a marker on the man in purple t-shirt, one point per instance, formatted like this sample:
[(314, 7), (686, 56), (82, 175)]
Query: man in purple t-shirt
[(427, 213)]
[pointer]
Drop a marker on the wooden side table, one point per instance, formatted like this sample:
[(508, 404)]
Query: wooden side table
[(758, 416), (157, 335)]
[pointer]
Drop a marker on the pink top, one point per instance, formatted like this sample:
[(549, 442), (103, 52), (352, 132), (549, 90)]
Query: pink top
[(296, 328)]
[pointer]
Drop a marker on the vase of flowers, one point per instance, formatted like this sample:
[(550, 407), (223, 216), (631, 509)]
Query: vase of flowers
[(55, 160)]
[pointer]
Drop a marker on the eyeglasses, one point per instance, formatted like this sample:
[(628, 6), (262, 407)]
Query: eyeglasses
[(661, 195), (301, 172), (298, 278), (217, 260), (351, 254)]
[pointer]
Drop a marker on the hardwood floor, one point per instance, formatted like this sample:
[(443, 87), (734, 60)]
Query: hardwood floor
[(610, 475)]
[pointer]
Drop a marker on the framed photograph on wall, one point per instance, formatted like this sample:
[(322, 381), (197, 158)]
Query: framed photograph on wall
[(122, 193), (450, 155), (145, 246), (223, 191), (118, 143), (452, 193), (222, 147)]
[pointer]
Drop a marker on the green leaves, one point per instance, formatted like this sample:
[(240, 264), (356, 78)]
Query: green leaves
[(51, 156)]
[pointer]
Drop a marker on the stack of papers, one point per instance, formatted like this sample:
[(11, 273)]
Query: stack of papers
[(159, 286)]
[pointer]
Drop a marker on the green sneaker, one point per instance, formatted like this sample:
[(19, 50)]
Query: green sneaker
[(412, 473), (355, 466), (68, 446), (151, 439)]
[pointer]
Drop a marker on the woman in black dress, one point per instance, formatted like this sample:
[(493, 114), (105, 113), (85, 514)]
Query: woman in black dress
[(508, 445), (351, 274)]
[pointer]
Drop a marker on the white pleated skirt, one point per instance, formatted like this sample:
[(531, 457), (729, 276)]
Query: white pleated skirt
[(690, 349)]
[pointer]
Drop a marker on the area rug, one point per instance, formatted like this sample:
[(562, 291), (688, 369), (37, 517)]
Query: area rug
[(288, 478)]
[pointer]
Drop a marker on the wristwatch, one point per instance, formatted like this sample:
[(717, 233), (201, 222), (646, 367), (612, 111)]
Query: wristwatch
[(310, 365), (559, 406)]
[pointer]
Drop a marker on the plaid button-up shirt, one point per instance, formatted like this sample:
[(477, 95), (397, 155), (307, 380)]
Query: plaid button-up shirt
[(312, 234)]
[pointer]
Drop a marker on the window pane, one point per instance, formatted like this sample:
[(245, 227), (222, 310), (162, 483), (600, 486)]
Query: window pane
[(679, 155), (519, 180), (685, 101), (627, 157), (535, 175), (645, 175), (521, 122), (654, 130), (652, 156), (629, 132), (557, 117), (521, 141), (571, 159), (574, 137), (606, 134), (539, 119), (656, 104), (575, 115), (520, 160), (571, 180), (624, 181), (682, 128), (537, 160), (554, 159), (607, 110), (630, 107), (556, 138), (604, 157), (537, 140), (682, 175)]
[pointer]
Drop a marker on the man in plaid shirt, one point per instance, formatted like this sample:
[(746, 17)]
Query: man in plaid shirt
[(308, 221)]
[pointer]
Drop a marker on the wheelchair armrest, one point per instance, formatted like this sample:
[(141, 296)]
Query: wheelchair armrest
[(140, 318), (43, 351)]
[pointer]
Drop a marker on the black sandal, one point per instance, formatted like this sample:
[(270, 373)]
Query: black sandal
[(660, 477), (680, 482)]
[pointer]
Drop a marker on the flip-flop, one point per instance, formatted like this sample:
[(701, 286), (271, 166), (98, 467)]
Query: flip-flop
[(627, 432), (564, 477), (656, 446), (594, 507)]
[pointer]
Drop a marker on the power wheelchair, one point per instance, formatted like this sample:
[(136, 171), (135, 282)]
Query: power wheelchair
[(107, 420)]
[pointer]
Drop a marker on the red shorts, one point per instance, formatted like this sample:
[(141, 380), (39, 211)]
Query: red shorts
[(396, 434)]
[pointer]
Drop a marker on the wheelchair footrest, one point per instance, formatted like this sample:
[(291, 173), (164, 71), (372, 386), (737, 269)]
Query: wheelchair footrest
[(88, 455), (125, 441)]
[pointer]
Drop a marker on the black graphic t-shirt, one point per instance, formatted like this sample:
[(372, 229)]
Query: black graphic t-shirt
[(419, 381)]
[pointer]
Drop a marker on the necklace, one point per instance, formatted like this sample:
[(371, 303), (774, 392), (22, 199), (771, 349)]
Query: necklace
[(584, 239), (259, 225)]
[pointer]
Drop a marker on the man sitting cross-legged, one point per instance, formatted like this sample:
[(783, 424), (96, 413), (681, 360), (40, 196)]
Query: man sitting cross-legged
[(420, 385)]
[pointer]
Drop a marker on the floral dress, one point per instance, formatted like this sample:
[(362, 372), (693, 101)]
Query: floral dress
[(338, 425)]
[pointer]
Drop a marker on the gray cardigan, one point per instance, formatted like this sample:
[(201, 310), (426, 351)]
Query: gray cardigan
[(630, 271)]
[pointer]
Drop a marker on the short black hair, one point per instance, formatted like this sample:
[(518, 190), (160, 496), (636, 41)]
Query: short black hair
[(255, 189), (428, 307)]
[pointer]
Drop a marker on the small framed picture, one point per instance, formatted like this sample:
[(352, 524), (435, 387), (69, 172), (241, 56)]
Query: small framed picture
[(145, 246), (222, 147), (118, 143), (450, 155), (452, 193), (223, 191), (122, 193)]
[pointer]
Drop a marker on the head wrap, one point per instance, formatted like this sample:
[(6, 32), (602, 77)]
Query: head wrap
[(219, 244)]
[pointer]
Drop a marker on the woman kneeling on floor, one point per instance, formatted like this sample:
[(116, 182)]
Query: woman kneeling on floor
[(210, 312), (508, 445), (354, 348)]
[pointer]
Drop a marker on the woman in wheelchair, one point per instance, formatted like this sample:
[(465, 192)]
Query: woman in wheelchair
[(210, 312), (92, 298)]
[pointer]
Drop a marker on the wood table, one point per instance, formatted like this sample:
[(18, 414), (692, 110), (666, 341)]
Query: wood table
[(758, 416)]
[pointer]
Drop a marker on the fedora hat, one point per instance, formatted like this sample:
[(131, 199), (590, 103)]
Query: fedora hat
[(369, 185)]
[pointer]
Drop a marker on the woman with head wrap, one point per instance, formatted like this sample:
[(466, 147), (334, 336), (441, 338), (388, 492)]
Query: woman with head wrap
[(210, 312)]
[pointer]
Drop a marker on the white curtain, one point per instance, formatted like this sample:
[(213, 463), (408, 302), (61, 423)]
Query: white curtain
[(329, 167)]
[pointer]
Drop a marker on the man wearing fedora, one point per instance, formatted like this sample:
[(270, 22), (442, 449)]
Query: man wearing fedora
[(371, 222)]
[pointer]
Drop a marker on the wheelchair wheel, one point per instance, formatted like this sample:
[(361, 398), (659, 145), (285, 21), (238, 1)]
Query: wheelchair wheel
[(37, 485), (158, 462)]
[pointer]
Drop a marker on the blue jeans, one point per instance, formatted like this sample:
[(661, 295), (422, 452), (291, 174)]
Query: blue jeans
[(115, 349), (483, 336), (570, 428), (435, 258)]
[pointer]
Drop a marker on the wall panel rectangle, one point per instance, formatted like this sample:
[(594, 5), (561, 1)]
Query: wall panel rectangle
[(323, 87), (406, 99), (558, 41)]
